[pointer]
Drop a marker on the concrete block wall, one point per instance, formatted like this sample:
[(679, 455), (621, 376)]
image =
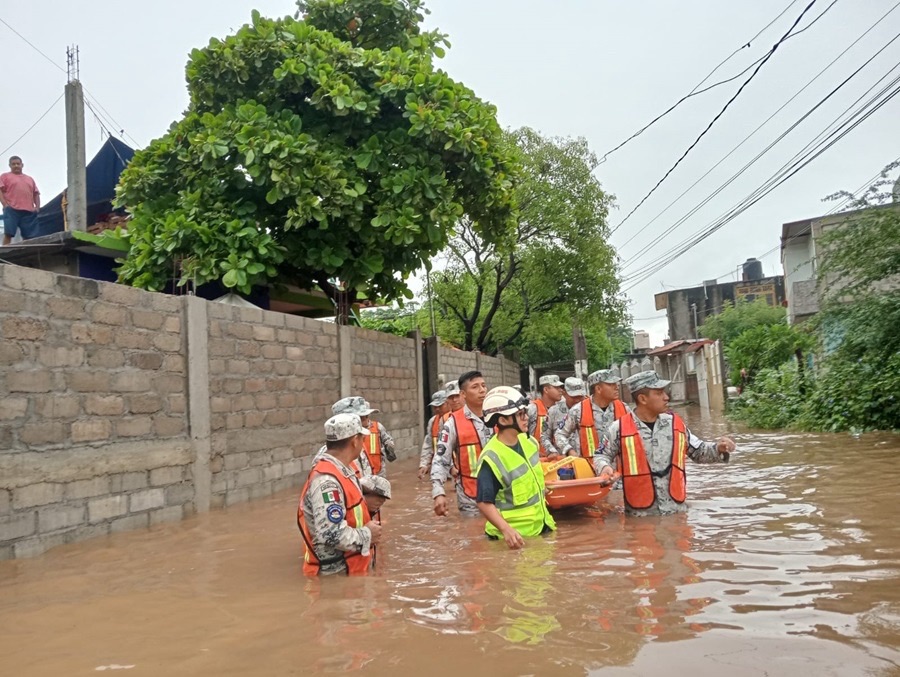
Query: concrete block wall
[(497, 371), (384, 371), (93, 398), (272, 380), (121, 409)]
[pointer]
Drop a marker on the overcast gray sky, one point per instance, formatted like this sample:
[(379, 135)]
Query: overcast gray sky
[(599, 69)]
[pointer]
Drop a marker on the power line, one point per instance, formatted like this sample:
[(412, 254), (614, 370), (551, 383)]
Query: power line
[(694, 91), (718, 115), (844, 128), (33, 125), (31, 44), (724, 185)]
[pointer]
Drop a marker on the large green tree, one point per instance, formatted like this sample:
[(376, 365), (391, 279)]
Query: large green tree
[(557, 266), (737, 318), (325, 151)]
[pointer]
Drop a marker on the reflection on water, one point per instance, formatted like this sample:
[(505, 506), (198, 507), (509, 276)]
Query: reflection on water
[(788, 563)]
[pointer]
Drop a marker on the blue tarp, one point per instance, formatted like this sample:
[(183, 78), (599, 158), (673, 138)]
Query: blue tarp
[(102, 175)]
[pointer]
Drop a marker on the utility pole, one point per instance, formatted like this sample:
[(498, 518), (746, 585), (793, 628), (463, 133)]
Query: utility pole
[(76, 193), (581, 364)]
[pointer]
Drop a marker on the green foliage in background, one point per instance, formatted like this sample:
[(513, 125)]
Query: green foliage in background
[(765, 346), (737, 318)]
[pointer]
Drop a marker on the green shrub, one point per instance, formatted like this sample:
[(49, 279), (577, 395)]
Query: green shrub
[(774, 400)]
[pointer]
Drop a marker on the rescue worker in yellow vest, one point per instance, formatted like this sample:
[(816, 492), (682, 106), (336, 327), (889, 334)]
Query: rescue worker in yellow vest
[(462, 439), (651, 446), (454, 396), (379, 445), (585, 424), (333, 517), (510, 478), (549, 387), (439, 409)]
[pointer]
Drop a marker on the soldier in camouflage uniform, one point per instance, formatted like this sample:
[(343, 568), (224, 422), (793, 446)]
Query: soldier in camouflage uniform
[(358, 406), (330, 512), (604, 393), (440, 409), (454, 396), (573, 392), (549, 387), (651, 433)]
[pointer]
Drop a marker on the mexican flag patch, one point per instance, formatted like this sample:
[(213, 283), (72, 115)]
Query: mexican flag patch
[(333, 496)]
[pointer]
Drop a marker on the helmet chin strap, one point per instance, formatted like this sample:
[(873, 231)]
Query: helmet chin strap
[(514, 426)]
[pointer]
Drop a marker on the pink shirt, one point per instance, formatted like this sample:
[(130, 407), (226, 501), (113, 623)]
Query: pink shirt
[(19, 190)]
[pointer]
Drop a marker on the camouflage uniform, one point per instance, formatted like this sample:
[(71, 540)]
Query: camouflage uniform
[(387, 449), (569, 438), (556, 418), (359, 406), (443, 460), (427, 453)]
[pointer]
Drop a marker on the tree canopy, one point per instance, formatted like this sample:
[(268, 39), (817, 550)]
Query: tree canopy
[(321, 151), (736, 318), (557, 266)]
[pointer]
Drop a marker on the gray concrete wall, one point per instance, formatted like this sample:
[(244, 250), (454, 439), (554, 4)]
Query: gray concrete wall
[(120, 408)]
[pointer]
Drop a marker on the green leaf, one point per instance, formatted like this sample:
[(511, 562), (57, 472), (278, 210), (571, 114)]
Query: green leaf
[(230, 279)]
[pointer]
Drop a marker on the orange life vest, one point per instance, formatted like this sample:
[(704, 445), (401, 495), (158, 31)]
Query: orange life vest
[(467, 452), (539, 426), (356, 515), (437, 422), (587, 433), (637, 478), (372, 446)]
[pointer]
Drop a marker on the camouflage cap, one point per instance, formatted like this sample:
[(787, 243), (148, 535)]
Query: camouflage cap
[(438, 398), (602, 376), (575, 386), (451, 388), (644, 380), (379, 486), (549, 380), (352, 405), (342, 427)]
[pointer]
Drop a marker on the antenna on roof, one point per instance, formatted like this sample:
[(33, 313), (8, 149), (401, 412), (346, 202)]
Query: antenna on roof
[(73, 63)]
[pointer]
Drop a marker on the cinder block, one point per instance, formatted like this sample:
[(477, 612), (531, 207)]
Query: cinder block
[(32, 547), (30, 279), (10, 353), (60, 517), (146, 500), (5, 502), (11, 301), (12, 408), (173, 363), (237, 461), (127, 296), (263, 333), (130, 382), (247, 477), (172, 325), (128, 481), (130, 523), (102, 509), (134, 340), (170, 343), (239, 330), (88, 381), (108, 313), (37, 434), (177, 404), (31, 381), (57, 406), (66, 308), (169, 426), (77, 286), (106, 358), (144, 404), (174, 513), (17, 526), (168, 304), (135, 426), (169, 383), (99, 405), (146, 360), (87, 488), (273, 472), (178, 494), (234, 496), (92, 430), (160, 477), (273, 352), (84, 533), (91, 334), (147, 319)]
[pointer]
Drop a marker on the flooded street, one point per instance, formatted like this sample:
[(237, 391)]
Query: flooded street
[(788, 563)]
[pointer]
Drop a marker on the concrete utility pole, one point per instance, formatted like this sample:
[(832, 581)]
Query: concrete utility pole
[(581, 361), (76, 193)]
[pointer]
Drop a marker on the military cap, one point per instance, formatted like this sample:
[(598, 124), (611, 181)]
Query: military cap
[(379, 486), (438, 398), (549, 380), (645, 380), (452, 388), (575, 386), (342, 427), (602, 376), (352, 405)]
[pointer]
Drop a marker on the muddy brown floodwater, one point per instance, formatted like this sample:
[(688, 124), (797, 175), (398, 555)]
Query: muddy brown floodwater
[(788, 563)]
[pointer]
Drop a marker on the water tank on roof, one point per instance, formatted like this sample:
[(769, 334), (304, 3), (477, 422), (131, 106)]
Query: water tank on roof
[(752, 270)]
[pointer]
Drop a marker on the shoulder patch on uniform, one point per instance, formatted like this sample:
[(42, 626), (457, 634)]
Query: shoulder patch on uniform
[(331, 496), (335, 514)]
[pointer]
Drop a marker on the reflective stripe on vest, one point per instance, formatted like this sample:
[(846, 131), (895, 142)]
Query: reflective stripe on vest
[(357, 515), (587, 433), (372, 446), (637, 477), (468, 449), (539, 426), (521, 496)]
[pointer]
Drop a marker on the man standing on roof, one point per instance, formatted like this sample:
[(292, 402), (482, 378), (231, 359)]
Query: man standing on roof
[(510, 479), (549, 387), (21, 201), (440, 410), (333, 518), (462, 439), (584, 426), (572, 392), (379, 445), (650, 446)]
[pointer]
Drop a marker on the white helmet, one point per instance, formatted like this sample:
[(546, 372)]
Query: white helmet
[(502, 401)]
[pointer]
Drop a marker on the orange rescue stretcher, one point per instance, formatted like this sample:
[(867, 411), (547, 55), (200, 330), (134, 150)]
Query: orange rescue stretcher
[(586, 489)]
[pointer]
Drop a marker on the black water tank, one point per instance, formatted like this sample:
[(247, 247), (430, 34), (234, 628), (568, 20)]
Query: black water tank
[(752, 270)]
